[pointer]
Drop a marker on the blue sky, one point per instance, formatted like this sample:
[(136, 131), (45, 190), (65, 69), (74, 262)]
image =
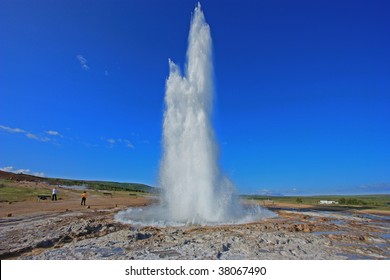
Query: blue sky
[(302, 90)]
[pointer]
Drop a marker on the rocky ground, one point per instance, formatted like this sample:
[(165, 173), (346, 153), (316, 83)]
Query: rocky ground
[(93, 233)]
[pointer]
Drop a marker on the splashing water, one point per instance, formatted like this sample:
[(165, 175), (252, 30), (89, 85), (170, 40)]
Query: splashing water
[(194, 188)]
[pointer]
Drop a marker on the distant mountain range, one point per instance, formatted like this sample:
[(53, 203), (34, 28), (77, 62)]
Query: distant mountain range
[(103, 185)]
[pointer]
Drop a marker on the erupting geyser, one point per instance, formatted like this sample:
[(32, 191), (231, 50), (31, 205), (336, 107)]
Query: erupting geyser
[(194, 188)]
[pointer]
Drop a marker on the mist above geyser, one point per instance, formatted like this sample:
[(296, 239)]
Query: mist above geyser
[(194, 189)]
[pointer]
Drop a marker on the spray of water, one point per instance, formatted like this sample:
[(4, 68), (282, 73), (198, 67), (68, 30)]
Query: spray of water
[(194, 188)]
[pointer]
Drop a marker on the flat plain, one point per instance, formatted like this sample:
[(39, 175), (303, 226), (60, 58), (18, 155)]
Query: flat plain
[(31, 228)]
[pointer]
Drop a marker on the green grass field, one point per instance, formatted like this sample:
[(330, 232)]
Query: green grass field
[(12, 193), (16, 191), (379, 201)]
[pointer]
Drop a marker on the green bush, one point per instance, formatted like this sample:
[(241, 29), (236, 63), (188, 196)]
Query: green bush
[(352, 201)]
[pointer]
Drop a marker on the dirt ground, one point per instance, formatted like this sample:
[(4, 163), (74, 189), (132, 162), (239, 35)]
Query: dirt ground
[(70, 200), (63, 229)]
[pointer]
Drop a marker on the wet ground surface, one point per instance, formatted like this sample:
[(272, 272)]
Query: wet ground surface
[(361, 236), (294, 234)]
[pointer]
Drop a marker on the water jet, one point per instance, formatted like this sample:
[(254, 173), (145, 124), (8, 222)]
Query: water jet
[(194, 189)]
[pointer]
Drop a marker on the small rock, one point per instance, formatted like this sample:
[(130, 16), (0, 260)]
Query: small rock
[(45, 244), (142, 236), (219, 254), (66, 239), (226, 247), (9, 215), (363, 238), (283, 253)]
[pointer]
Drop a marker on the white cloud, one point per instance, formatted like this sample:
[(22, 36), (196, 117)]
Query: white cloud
[(83, 62), (51, 136), (119, 142), (375, 188), (26, 133), (129, 144), (265, 192), (11, 130), (8, 169), (54, 133), (111, 142), (38, 138), (268, 192), (24, 171)]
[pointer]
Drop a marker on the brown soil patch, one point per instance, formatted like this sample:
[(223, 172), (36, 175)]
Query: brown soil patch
[(70, 200)]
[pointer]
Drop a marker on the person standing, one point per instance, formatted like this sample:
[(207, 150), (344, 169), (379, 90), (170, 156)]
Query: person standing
[(83, 198), (54, 194)]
